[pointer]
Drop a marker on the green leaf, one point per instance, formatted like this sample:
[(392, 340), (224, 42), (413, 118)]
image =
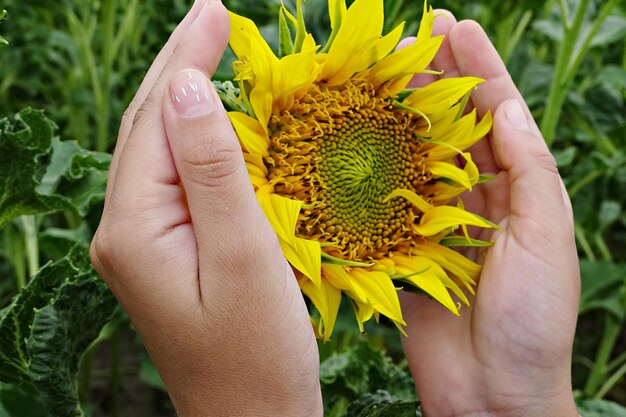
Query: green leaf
[(359, 370), (15, 402), (382, 404), (40, 174), (603, 287), (612, 30), (3, 15), (48, 326), (600, 408)]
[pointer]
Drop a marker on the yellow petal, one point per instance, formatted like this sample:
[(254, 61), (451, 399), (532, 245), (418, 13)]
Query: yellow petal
[(447, 170), (441, 94), (306, 256), (282, 214), (250, 132), (444, 217), (336, 12), (410, 60), (339, 278), (412, 197), (246, 40), (326, 300), (363, 313), (426, 25), (464, 269), (430, 280), (361, 25), (256, 160), (381, 293)]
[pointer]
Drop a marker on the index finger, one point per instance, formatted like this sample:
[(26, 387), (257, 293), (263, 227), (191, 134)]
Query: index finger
[(475, 55)]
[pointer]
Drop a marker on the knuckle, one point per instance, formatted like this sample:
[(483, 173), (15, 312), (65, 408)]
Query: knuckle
[(545, 160), (255, 251), (211, 162), (146, 107), (109, 249)]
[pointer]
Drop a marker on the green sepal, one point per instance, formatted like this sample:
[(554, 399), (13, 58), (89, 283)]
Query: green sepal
[(285, 42), (405, 93), (336, 261), (300, 29), (463, 105), (406, 276), (486, 178), (229, 95), (453, 241), (333, 34)]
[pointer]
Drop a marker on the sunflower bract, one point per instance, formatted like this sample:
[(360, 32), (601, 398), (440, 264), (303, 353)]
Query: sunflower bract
[(354, 172)]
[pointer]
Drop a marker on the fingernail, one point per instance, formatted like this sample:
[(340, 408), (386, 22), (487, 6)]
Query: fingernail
[(515, 115), (191, 94)]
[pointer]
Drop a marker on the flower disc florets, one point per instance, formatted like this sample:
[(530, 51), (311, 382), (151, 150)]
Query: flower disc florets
[(354, 174), (342, 152)]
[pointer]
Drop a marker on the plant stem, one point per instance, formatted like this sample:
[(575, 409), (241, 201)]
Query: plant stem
[(612, 329), (610, 382), (85, 375), (568, 61), (31, 242), (558, 87), (583, 182), (579, 231), (115, 374), (604, 250)]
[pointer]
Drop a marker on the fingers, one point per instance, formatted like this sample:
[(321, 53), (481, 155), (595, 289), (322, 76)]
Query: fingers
[(537, 202), (146, 163), (147, 84), (145, 217), (230, 228), (475, 55), (444, 60)]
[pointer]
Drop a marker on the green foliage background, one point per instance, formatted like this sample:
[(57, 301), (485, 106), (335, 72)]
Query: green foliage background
[(67, 350)]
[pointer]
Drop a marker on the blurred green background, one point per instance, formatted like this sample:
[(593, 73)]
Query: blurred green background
[(82, 61)]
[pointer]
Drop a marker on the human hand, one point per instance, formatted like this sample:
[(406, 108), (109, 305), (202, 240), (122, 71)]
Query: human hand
[(510, 353), (187, 250)]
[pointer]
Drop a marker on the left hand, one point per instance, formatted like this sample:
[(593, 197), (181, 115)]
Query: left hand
[(189, 253)]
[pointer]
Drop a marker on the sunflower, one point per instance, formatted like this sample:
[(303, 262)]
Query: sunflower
[(359, 176)]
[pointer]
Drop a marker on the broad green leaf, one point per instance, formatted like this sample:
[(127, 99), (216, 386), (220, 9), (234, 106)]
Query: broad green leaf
[(48, 326), (600, 408), (382, 404), (15, 402), (40, 174)]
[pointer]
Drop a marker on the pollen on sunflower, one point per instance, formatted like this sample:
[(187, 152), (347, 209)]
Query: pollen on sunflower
[(357, 174)]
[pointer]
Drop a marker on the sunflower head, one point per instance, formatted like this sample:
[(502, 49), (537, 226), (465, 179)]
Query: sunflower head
[(360, 177)]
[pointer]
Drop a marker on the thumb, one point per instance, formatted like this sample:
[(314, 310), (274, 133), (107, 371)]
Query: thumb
[(225, 214)]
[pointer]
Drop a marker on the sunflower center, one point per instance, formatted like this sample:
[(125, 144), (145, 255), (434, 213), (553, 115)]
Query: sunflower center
[(343, 152)]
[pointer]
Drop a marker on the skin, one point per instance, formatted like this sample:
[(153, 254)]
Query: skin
[(510, 353), (188, 252)]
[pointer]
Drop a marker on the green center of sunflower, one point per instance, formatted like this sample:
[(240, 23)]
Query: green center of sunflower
[(342, 152)]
